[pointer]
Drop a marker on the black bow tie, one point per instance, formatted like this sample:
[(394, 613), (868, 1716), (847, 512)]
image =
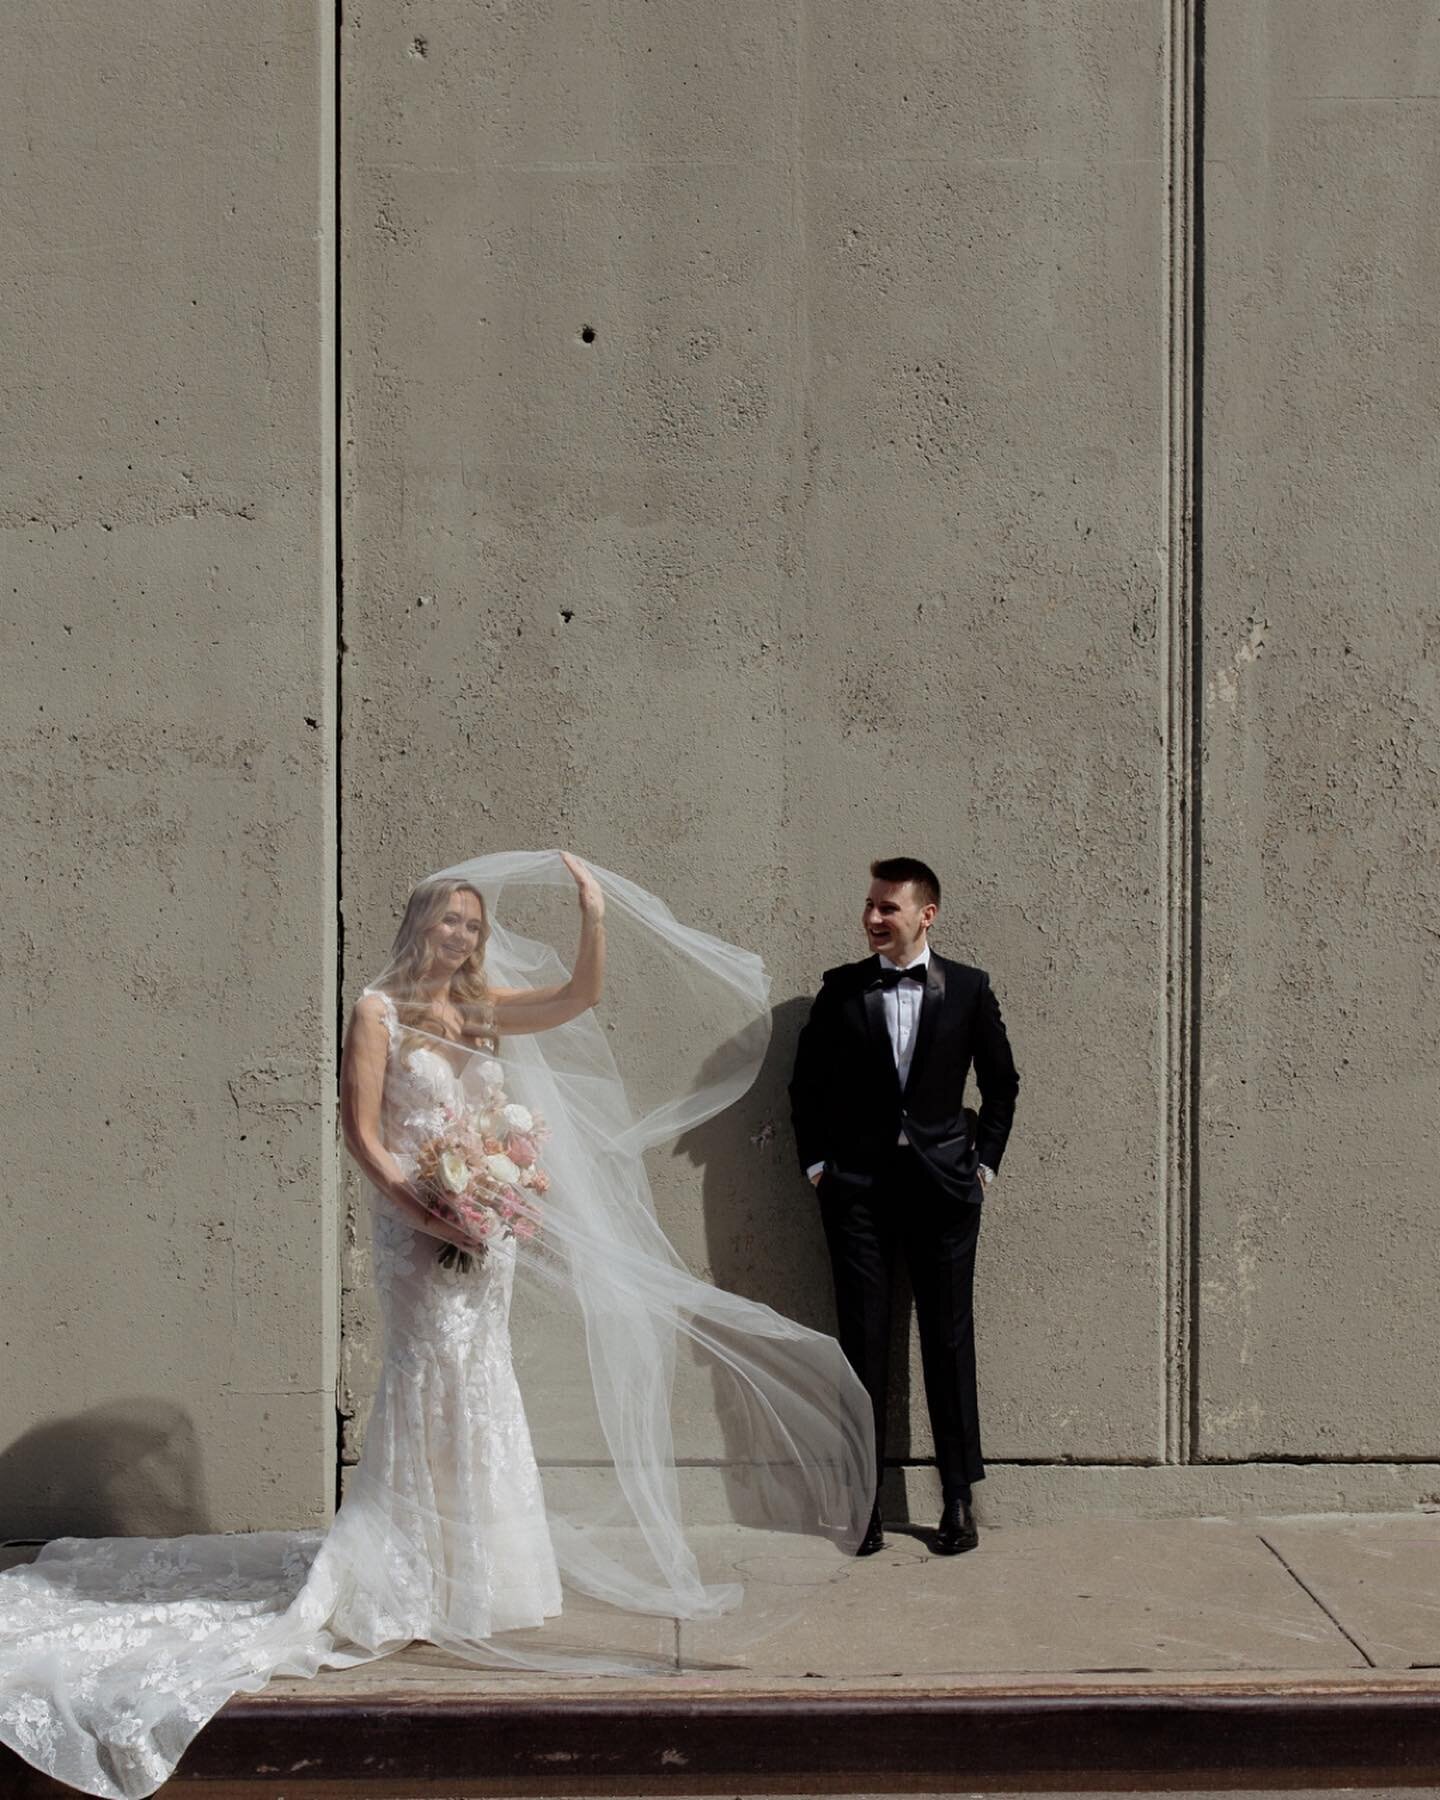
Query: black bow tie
[(890, 978)]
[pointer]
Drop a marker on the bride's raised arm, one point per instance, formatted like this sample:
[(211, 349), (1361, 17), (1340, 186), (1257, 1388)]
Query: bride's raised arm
[(519, 1010)]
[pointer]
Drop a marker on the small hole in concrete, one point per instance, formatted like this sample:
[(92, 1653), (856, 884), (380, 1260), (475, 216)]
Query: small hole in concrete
[(587, 334), (565, 614), (419, 46)]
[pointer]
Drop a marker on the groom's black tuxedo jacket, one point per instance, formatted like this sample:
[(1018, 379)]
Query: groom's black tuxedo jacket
[(846, 1100)]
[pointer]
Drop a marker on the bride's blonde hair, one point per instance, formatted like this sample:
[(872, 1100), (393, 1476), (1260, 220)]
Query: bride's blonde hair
[(409, 963)]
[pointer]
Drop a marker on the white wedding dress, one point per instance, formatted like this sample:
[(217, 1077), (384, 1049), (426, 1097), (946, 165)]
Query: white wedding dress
[(447, 1488), (114, 1652), (130, 1645)]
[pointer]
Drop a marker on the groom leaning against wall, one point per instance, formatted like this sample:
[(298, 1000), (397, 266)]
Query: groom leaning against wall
[(900, 1163)]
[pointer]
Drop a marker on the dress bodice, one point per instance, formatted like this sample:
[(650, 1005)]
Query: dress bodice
[(423, 1090)]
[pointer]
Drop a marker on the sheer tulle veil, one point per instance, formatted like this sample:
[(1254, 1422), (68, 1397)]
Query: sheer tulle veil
[(655, 1398), (702, 1458)]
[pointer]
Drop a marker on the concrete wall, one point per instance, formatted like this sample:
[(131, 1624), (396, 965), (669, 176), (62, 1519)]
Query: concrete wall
[(770, 435), (1320, 1042), (774, 442), (168, 969)]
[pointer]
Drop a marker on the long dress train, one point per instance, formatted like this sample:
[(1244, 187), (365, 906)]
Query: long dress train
[(114, 1652)]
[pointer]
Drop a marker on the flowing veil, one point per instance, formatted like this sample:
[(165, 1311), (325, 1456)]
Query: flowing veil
[(703, 1458)]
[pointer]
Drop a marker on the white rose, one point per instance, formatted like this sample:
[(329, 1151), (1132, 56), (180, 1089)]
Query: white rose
[(455, 1171), (502, 1170), (491, 1073), (519, 1118)]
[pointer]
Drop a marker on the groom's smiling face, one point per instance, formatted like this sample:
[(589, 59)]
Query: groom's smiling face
[(896, 921)]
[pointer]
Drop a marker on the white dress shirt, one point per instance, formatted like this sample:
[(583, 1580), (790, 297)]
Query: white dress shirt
[(902, 1013)]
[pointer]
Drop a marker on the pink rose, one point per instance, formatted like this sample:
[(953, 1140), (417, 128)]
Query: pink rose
[(521, 1150), (479, 1221)]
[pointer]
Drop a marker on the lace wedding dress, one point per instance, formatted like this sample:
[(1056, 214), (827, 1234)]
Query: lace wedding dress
[(115, 1652), (447, 1483), (131, 1645)]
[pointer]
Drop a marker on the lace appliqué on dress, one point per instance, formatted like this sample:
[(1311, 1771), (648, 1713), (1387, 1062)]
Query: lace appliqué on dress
[(115, 1652)]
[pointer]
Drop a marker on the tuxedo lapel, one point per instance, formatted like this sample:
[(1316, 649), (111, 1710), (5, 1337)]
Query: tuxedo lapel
[(930, 1004), (873, 1000)]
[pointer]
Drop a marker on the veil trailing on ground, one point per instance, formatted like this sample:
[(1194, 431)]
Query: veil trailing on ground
[(703, 1460)]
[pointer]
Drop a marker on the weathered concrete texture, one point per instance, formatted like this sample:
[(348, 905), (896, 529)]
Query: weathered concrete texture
[(1377, 1575), (1321, 1028), (1092, 1595), (1088, 1607), (972, 633), (166, 1296), (756, 461), (1037, 1493), (755, 466), (1029, 1494)]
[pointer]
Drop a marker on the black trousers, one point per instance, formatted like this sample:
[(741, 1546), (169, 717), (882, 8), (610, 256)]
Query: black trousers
[(865, 1227)]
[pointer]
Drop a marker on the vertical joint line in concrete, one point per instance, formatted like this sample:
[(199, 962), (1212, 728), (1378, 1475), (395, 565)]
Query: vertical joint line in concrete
[(795, 478), (1180, 636), (1195, 745), (337, 526)]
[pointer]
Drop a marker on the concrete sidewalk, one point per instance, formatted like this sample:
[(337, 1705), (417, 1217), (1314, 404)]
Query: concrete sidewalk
[(1121, 1596), (1301, 1597), (1252, 1653)]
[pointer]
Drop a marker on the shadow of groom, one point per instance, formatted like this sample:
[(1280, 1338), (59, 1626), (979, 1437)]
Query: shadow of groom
[(764, 1239)]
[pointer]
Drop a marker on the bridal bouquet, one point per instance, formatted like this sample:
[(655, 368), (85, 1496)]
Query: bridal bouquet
[(482, 1172)]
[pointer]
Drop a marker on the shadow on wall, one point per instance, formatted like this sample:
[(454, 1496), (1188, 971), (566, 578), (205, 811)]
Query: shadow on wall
[(764, 1239), (130, 1468)]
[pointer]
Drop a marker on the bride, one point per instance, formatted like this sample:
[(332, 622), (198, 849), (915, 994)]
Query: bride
[(519, 1497)]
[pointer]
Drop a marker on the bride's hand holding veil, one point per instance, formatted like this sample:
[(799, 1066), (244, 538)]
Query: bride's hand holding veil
[(592, 897), (520, 1010)]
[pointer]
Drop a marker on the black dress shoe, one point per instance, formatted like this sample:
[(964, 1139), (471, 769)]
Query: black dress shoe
[(957, 1529), (874, 1538)]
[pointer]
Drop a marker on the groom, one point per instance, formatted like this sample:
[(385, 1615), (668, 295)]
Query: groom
[(877, 1100)]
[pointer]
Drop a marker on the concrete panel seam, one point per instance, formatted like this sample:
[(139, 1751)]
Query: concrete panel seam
[(1180, 622), (328, 36)]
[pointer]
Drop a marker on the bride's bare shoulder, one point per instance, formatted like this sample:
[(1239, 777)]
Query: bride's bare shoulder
[(372, 1010)]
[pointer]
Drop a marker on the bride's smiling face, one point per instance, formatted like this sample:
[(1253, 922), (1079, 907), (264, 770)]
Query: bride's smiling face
[(458, 932)]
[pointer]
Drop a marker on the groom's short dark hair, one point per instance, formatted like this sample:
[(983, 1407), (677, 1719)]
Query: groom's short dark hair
[(909, 868)]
